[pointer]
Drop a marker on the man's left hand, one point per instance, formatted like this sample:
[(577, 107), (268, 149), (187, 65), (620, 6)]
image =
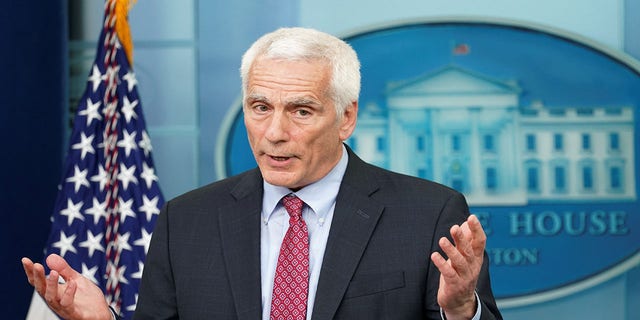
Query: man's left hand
[(459, 273)]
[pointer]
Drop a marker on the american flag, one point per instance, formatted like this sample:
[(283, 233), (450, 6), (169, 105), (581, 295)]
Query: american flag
[(461, 49), (109, 197)]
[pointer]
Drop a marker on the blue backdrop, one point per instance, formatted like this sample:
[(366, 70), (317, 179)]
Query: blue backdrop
[(33, 86)]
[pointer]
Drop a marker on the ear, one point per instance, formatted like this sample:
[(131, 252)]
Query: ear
[(348, 122)]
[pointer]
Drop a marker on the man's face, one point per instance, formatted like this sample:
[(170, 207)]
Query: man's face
[(294, 131)]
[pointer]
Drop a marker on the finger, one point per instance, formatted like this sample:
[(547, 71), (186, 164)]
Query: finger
[(440, 263), (51, 292), (475, 227), (466, 229), (457, 261), (27, 265), (438, 259), (479, 237), (57, 263), (69, 293), (462, 238), (39, 279)]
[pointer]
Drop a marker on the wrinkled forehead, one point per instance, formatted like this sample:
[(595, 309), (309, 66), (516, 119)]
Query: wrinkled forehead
[(284, 69), (289, 76)]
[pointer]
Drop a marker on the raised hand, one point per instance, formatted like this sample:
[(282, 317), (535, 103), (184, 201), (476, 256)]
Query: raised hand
[(459, 273), (76, 299)]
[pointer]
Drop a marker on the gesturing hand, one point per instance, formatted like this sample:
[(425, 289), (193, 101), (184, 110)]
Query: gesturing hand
[(459, 273), (78, 298)]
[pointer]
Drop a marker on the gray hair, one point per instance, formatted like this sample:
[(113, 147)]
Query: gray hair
[(310, 44)]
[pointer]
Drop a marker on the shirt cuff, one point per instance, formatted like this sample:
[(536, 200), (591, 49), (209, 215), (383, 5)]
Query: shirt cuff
[(478, 310), (113, 314)]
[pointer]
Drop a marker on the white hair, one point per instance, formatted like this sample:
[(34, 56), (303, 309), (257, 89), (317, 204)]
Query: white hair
[(309, 44)]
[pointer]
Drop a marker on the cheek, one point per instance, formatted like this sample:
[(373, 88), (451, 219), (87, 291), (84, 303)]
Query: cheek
[(253, 133), (324, 145)]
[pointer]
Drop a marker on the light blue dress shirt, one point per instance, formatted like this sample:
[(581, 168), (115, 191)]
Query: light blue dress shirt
[(320, 200)]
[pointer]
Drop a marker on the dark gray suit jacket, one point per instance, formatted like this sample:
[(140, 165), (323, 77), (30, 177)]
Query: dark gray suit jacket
[(204, 259)]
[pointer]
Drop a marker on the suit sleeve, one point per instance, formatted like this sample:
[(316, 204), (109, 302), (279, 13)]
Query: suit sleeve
[(157, 294), (456, 211)]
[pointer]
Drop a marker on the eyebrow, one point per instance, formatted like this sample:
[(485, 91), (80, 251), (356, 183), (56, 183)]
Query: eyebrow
[(298, 101), (257, 97), (303, 101)]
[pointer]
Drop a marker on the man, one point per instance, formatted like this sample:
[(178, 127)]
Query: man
[(360, 249)]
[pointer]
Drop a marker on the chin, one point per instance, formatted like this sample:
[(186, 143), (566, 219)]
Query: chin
[(279, 179)]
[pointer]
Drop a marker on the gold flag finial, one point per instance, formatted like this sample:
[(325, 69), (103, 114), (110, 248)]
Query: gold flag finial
[(122, 27)]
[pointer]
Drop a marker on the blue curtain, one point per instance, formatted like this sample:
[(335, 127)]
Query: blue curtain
[(33, 93)]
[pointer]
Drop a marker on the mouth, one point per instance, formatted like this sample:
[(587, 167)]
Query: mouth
[(278, 158)]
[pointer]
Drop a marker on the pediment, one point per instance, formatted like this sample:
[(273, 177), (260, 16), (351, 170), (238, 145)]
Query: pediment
[(452, 80)]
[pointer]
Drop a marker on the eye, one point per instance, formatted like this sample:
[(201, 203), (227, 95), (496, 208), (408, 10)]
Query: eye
[(303, 112), (260, 108)]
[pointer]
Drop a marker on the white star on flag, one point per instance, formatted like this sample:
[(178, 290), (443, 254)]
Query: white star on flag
[(145, 143), (79, 178), (90, 273), (91, 112), (126, 175), (85, 145), (125, 210), (123, 242), (127, 109), (138, 275), (117, 274), (130, 78), (98, 210), (92, 243), (133, 306), (128, 142), (101, 177), (72, 211), (96, 77), (150, 206), (148, 174), (65, 243), (144, 241)]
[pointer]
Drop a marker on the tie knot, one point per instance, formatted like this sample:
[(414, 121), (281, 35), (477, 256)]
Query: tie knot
[(293, 204)]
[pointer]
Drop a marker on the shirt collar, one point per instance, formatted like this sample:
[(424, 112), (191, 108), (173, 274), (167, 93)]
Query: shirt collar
[(319, 196)]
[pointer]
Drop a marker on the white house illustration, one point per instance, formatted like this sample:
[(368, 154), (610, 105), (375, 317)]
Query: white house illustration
[(470, 132)]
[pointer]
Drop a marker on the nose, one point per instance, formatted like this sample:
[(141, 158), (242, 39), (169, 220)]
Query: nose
[(277, 128)]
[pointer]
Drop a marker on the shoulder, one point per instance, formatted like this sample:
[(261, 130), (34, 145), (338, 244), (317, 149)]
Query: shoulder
[(418, 200), (382, 182), (406, 186), (221, 191)]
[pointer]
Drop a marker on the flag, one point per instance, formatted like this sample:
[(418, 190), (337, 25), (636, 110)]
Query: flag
[(108, 198), (461, 49)]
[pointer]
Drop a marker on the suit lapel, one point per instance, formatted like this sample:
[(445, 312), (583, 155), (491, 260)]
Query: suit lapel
[(355, 217), (240, 240)]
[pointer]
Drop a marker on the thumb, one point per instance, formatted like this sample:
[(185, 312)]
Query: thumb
[(57, 263)]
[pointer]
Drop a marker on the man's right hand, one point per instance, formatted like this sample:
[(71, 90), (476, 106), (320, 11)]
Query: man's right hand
[(76, 299)]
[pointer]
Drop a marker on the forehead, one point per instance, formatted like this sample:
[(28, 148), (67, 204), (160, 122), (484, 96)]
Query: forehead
[(288, 73)]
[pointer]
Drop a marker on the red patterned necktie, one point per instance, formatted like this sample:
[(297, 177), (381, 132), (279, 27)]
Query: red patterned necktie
[(291, 282)]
